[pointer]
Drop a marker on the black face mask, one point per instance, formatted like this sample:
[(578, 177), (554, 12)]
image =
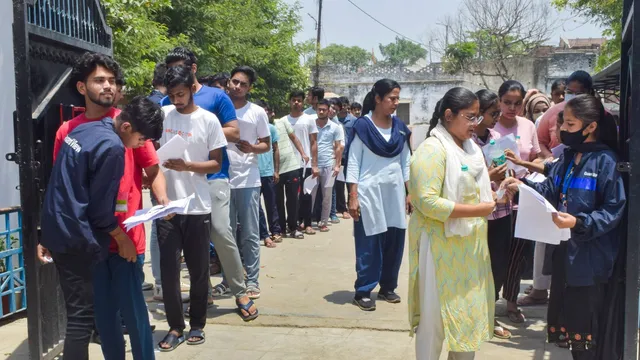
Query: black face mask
[(573, 139)]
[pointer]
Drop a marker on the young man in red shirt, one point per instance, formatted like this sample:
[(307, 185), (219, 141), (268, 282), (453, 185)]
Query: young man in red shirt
[(117, 282)]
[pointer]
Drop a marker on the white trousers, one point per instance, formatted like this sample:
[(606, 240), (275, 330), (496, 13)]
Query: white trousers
[(430, 333), (540, 282)]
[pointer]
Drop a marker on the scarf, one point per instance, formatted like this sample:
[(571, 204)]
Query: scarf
[(535, 100), (471, 155), (372, 139)]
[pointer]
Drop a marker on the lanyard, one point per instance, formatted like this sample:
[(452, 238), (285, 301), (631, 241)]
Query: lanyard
[(567, 180)]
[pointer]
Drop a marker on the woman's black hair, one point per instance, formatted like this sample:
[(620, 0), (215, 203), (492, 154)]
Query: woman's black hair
[(511, 85), (556, 85), (456, 100), (487, 99), (381, 88), (589, 109), (584, 79)]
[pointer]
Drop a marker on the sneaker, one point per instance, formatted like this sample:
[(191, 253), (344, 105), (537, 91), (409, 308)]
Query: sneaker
[(389, 296), (147, 286), (365, 304), (335, 220)]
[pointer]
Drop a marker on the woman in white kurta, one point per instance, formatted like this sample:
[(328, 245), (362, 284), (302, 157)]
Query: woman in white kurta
[(377, 170)]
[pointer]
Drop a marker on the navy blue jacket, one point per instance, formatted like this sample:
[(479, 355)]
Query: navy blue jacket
[(79, 204), (347, 123), (596, 197)]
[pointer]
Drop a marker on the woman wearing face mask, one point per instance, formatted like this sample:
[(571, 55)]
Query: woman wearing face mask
[(451, 292), (511, 95), (537, 105), (588, 192), (578, 83)]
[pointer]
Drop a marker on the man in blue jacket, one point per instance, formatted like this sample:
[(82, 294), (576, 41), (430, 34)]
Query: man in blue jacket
[(78, 218)]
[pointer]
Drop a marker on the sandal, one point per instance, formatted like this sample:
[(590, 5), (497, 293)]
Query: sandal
[(253, 293), (198, 334), (500, 332), (247, 308), (531, 301), (220, 290), (297, 235), (528, 290), (309, 231), (172, 340), (268, 243), (516, 317), (323, 228), (277, 238)]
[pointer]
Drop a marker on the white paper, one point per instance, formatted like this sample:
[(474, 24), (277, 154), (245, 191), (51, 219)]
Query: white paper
[(309, 184), (558, 150), (331, 180), (536, 177), (534, 221), (173, 149), (341, 174), (500, 193), (159, 211)]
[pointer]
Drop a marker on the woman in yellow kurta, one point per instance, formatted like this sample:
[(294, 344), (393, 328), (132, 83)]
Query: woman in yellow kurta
[(451, 293)]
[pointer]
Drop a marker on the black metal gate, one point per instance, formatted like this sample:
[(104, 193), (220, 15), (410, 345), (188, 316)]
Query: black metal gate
[(48, 36)]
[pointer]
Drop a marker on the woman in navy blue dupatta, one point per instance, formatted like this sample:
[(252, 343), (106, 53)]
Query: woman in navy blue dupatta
[(377, 172)]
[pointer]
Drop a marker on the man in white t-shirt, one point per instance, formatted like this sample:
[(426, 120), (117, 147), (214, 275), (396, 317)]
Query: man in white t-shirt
[(190, 232), (244, 173)]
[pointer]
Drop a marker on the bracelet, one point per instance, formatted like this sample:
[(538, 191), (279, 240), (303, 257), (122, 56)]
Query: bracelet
[(354, 194)]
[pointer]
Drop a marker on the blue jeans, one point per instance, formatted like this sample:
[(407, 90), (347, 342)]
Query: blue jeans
[(154, 249), (378, 259), (243, 210), (117, 287)]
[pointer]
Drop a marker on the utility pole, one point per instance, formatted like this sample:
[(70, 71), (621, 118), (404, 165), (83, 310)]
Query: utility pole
[(316, 76)]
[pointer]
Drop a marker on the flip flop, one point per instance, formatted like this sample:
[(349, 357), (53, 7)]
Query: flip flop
[(516, 317), (268, 243), (531, 301), (500, 332), (310, 231), (172, 340), (277, 238), (196, 333), (247, 307)]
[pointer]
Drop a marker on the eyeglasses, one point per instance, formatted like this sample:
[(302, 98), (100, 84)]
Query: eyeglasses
[(496, 114), (474, 119)]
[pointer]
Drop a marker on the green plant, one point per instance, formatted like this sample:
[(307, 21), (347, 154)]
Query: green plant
[(3, 247)]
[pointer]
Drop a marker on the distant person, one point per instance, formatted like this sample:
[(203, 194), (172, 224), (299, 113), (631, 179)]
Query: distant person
[(558, 90), (314, 95), (537, 105), (159, 91), (356, 109), (220, 81)]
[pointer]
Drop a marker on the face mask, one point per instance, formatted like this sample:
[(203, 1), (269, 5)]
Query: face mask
[(569, 97), (573, 138), (536, 115)]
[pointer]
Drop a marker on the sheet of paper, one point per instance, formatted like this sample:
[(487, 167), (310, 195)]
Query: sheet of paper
[(331, 180), (158, 211), (173, 149), (535, 221), (341, 174), (558, 150), (536, 177), (309, 184)]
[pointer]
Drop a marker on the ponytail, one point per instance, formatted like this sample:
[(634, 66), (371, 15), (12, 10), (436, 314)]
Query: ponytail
[(456, 100), (435, 118), (369, 103)]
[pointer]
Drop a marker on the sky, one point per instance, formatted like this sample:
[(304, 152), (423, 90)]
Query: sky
[(345, 24)]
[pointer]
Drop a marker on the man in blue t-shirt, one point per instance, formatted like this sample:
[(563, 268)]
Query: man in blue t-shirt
[(218, 102)]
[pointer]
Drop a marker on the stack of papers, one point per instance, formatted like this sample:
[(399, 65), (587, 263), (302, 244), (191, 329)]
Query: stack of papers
[(157, 212), (535, 220), (173, 149)]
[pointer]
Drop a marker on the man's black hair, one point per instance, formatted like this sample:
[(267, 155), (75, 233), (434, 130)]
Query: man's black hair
[(356, 105), (335, 101), (88, 63), (145, 116), (262, 103), (120, 81), (297, 93), (317, 91), (324, 102), (345, 101), (181, 54), (179, 75), (247, 70), (158, 74), (221, 77)]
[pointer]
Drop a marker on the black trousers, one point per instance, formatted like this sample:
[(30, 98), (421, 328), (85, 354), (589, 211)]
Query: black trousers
[(76, 280), (188, 234), (341, 200), (306, 201), (516, 265), (288, 185), (499, 238)]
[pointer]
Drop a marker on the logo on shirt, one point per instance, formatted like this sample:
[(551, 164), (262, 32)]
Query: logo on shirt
[(73, 143), (178, 132), (591, 174)]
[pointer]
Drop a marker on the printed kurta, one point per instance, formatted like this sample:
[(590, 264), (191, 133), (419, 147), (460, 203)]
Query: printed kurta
[(462, 264)]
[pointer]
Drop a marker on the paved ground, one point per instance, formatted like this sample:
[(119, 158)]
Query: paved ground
[(306, 313)]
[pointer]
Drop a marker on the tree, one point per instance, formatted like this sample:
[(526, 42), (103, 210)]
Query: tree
[(609, 14), (348, 57), (490, 32), (402, 52)]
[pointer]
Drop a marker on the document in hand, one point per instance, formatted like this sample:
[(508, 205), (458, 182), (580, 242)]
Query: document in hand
[(159, 211), (535, 221), (309, 184), (173, 149), (341, 174)]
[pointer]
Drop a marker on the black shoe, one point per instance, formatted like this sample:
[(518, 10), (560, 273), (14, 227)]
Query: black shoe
[(365, 303), (389, 296)]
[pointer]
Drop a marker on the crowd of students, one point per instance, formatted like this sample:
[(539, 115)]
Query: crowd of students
[(461, 254)]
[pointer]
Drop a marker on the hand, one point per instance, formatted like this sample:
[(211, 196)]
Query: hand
[(244, 146), (354, 207), (315, 172), (276, 178), (511, 156), (485, 209), (336, 171), (408, 205), (43, 255), (497, 174), (306, 159), (126, 249), (164, 202), (176, 164), (511, 185), (564, 220)]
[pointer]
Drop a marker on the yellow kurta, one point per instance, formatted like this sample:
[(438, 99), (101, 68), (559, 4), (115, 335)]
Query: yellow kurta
[(463, 265)]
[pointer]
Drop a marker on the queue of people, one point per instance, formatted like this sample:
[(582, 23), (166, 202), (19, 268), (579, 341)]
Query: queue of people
[(463, 254)]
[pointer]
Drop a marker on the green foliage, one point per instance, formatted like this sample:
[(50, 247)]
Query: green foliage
[(609, 14), (402, 52), (350, 58), (458, 56)]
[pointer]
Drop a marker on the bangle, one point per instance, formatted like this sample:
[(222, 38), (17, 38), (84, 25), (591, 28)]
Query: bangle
[(354, 194)]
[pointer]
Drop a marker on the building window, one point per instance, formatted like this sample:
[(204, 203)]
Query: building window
[(404, 112)]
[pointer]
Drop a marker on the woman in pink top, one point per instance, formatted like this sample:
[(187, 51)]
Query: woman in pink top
[(512, 95)]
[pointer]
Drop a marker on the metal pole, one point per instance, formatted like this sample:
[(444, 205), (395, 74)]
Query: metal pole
[(316, 77)]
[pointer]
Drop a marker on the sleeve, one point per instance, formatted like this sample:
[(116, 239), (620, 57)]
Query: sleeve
[(145, 155), (355, 159), (602, 220), (535, 142), (60, 135), (287, 126), (224, 109), (427, 169), (108, 169), (339, 134), (263, 124), (549, 187), (406, 163), (274, 134), (311, 125), (543, 130), (165, 101), (215, 138)]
